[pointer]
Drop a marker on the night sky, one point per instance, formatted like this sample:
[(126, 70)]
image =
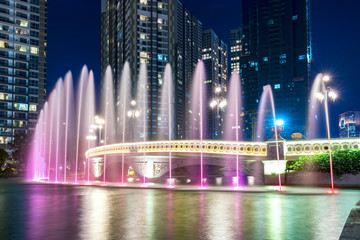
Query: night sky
[(74, 40)]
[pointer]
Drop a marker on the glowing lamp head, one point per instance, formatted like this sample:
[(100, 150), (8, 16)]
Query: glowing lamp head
[(129, 113), (223, 104), (326, 78), (133, 102), (218, 89), (99, 121), (279, 122), (137, 113), (213, 103), (320, 96), (332, 95)]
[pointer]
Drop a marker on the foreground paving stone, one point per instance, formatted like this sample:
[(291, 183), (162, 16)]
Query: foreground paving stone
[(351, 229)]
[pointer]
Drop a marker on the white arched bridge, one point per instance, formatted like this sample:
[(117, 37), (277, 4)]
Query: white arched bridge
[(215, 152)]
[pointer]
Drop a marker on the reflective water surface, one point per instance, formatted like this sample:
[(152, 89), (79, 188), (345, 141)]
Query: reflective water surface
[(40, 211)]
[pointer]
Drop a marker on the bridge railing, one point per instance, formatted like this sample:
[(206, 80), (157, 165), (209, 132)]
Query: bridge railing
[(177, 146), (318, 146)]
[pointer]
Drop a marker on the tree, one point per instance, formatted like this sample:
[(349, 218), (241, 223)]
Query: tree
[(20, 148), (3, 157)]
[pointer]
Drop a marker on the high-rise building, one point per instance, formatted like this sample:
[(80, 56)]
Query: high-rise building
[(215, 58), (276, 50), (349, 124), (235, 49), (155, 32), (22, 66)]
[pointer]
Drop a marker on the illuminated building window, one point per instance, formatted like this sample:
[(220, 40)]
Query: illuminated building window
[(21, 106), (144, 18), (302, 57), (277, 86), (160, 20), (144, 55), (144, 36), (160, 5), (160, 57), (32, 108), (34, 50), (24, 23), (144, 2), (2, 44), (295, 17), (143, 60), (22, 48), (265, 59)]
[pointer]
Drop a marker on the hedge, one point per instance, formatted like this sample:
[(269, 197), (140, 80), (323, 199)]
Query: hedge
[(344, 162)]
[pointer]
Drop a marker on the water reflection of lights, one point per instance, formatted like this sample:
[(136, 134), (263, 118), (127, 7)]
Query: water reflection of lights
[(95, 219), (218, 217)]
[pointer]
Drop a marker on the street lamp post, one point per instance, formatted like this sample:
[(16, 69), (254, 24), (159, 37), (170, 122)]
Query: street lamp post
[(133, 113), (323, 95), (219, 103), (99, 123)]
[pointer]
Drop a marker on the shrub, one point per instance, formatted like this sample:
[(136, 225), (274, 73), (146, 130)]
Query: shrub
[(344, 162)]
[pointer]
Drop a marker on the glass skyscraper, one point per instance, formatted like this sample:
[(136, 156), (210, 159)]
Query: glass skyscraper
[(215, 58), (275, 49), (155, 32), (22, 66)]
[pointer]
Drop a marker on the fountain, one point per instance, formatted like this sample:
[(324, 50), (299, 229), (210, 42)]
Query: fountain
[(123, 106), (166, 114), (234, 128), (313, 113), (65, 132), (197, 107), (141, 99), (267, 94), (109, 113), (69, 99)]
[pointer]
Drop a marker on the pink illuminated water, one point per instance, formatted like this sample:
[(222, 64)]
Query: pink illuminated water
[(234, 127), (267, 95), (69, 100), (109, 113), (166, 114), (124, 106), (58, 122), (83, 78), (141, 99), (90, 113), (52, 107), (197, 125)]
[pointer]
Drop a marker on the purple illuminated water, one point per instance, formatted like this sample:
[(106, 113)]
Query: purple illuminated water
[(198, 100), (166, 113), (109, 113), (69, 93), (141, 99), (61, 138), (267, 95), (90, 117), (234, 126), (123, 107), (83, 78)]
